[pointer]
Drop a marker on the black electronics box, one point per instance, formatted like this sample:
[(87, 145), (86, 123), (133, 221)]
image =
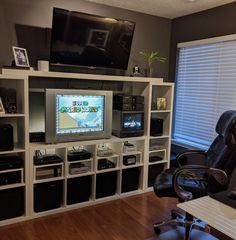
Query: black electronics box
[(128, 102), (128, 98), (10, 162), (156, 127), (79, 189), (129, 160), (130, 179), (10, 177), (12, 203), (48, 196), (155, 158), (106, 184), (47, 159), (37, 136), (128, 106), (74, 155), (105, 164), (6, 139)]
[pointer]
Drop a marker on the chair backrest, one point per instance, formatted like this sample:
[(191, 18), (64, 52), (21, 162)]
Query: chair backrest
[(222, 152)]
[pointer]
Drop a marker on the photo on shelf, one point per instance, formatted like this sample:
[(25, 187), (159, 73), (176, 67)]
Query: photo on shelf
[(20, 56), (161, 103), (2, 111)]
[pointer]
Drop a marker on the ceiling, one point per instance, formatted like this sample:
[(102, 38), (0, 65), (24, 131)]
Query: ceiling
[(165, 8)]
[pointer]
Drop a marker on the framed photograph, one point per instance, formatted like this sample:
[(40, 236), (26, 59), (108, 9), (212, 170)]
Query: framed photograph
[(161, 103), (21, 57), (1, 107)]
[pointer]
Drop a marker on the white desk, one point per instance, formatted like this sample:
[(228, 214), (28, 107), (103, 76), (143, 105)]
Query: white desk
[(216, 214)]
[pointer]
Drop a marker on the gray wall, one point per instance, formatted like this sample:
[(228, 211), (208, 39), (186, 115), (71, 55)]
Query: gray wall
[(151, 33), (206, 24)]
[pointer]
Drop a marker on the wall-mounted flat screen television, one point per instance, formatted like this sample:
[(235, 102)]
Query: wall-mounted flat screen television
[(74, 115), (89, 40)]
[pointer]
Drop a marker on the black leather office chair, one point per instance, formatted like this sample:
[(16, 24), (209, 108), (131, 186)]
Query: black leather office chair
[(200, 172)]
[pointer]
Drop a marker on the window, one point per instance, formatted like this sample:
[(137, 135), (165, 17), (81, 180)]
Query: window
[(205, 87)]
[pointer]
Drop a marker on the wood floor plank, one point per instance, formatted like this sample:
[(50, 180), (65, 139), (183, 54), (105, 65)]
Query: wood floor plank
[(123, 219)]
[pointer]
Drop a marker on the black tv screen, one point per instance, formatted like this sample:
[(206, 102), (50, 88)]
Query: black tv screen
[(89, 40)]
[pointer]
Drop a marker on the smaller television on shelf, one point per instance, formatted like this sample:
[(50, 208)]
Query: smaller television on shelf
[(81, 39), (74, 115), (128, 123)]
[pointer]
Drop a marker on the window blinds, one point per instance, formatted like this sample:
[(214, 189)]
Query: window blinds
[(205, 87)]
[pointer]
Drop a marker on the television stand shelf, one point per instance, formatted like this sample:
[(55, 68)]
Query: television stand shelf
[(58, 187)]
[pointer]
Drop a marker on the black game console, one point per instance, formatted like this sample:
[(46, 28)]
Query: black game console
[(105, 164), (47, 159), (128, 103), (37, 136), (10, 162), (6, 139), (75, 155), (129, 160)]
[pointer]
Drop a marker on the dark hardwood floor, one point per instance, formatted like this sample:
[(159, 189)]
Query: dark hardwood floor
[(124, 219)]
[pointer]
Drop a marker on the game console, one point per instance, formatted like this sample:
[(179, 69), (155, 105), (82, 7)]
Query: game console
[(49, 172), (105, 164), (47, 159), (80, 154), (78, 168), (129, 147), (104, 152), (129, 160)]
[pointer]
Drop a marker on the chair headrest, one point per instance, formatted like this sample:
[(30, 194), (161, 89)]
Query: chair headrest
[(226, 127)]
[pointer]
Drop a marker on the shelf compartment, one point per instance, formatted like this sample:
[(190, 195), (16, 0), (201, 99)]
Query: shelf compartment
[(153, 171), (48, 196), (79, 190), (106, 184), (11, 177), (80, 167), (157, 156), (48, 171), (136, 157), (130, 179), (108, 163), (12, 202)]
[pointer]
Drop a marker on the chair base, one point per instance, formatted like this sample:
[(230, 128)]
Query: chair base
[(188, 223), (179, 233)]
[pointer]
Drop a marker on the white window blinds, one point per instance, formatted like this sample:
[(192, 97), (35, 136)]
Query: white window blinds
[(205, 87)]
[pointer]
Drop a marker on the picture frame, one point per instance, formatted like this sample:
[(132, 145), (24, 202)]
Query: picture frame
[(20, 56), (161, 103), (2, 110)]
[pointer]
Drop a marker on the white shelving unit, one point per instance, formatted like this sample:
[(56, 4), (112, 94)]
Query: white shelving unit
[(78, 189)]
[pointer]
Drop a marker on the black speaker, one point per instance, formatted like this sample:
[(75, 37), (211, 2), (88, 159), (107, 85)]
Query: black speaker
[(48, 195), (8, 96), (153, 171), (78, 189), (130, 179), (156, 127), (106, 184), (11, 203), (6, 139)]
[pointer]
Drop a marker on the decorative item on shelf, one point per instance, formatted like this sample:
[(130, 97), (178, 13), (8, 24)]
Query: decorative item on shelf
[(43, 65), (161, 103), (21, 57), (150, 58), (136, 71), (2, 111)]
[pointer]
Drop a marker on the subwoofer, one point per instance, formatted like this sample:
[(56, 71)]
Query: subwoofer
[(6, 139)]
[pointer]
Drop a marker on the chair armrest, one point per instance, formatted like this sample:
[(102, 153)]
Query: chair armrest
[(190, 157), (218, 174)]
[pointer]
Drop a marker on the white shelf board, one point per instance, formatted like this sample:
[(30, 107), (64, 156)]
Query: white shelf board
[(80, 174), (11, 115), (15, 150), (48, 180), (133, 166), (14, 185), (132, 153), (160, 111), (157, 162), (162, 136), (108, 170)]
